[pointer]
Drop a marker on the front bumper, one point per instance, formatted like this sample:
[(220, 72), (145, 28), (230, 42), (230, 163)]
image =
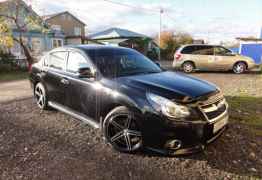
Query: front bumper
[(194, 136)]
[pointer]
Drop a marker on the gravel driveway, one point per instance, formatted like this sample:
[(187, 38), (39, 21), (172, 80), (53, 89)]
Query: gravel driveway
[(14, 90), (52, 145)]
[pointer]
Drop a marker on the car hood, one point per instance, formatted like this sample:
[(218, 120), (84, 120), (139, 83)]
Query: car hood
[(169, 84)]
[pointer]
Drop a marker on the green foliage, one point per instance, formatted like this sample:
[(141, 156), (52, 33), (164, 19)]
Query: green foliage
[(15, 15), (7, 62), (13, 75), (247, 110)]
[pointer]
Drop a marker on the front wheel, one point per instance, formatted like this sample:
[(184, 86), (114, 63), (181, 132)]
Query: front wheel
[(239, 68), (122, 131), (40, 96)]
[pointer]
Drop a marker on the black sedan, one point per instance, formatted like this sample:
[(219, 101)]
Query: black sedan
[(131, 99)]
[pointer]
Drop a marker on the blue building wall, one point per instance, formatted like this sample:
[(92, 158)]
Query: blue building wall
[(253, 50), (46, 38)]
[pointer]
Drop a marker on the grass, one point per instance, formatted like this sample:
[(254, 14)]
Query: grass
[(13, 75), (247, 110)]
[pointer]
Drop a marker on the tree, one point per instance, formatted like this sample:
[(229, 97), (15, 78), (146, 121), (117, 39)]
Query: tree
[(16, 15), (171, 41)]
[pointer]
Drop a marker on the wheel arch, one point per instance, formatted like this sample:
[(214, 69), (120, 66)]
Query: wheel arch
[(189, 61), (108, 108), (240, 61)]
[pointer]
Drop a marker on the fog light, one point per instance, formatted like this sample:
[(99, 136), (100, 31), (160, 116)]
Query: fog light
[(173, 144)]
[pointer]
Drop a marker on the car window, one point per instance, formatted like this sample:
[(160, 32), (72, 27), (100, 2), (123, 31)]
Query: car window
[(45, 61), (57, 60), (76, 61), (221, 51), (204, 50), (122, 62), (188, 50), (198, 50)]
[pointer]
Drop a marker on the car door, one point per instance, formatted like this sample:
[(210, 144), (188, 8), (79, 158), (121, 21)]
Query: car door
[(54, 79), (224, 58), (204, 57), (81, 93)]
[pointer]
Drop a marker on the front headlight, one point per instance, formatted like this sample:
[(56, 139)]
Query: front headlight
[(168, 107)]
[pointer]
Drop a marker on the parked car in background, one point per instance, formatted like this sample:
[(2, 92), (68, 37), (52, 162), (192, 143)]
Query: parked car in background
[(211, 58), (132, 100)]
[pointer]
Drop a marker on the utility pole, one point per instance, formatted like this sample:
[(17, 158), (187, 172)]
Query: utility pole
[(160, 30)]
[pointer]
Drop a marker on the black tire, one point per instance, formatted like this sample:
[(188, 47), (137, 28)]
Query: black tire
[(239, 68), (40, 96), (121, 130), (188, 67)]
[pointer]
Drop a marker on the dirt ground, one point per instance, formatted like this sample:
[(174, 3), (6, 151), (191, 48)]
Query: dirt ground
[(14, 90), (38, 144)]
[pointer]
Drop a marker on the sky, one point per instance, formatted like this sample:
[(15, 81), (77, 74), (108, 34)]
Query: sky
[(212, 20)]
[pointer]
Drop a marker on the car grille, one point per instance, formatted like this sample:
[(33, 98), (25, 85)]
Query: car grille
[(214, 107)]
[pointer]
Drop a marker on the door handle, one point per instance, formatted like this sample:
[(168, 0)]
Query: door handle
[(64, 81)]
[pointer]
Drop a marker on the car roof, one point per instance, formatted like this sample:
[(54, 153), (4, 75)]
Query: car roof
[(88, 47), (200, 45)]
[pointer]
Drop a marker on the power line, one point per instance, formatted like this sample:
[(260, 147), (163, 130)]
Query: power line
[(134, 7)]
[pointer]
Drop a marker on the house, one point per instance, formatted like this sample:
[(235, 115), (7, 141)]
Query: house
[(126, 38), (251, 47), (72, 27), (37, 37)]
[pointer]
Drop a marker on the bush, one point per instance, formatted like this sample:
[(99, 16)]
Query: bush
[(8, 63), (171, 41)]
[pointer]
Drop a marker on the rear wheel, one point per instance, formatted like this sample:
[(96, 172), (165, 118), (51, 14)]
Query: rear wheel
[(188, 67), (122, 131), (240, 68), (40, 96)]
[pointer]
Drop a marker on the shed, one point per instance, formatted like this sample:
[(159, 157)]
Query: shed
[(126, 38), (251, 47)]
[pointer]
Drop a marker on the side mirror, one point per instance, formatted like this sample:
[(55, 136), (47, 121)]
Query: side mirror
[(85, 72), (158, 64)]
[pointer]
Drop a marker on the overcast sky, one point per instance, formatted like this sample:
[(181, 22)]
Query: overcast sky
[(217, 20)]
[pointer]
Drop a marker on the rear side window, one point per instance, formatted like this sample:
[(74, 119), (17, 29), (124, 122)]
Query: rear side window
[(198, 50), (57, 60), (76, 61), (188, 50)]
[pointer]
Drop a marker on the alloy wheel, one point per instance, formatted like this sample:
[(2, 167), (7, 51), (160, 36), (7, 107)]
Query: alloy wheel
[(40, 95), (188, 67), (123, 133), (239, 68)]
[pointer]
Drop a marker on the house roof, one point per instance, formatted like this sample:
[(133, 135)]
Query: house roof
[(112, 33), (248, 39), (50, 16)]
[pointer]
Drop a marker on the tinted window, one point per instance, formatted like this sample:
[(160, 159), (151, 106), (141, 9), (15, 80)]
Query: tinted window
[(122, 62), (221, 51), (76, 61), (204, 50), (188, 50), (44, 60), (57, 60), (200, 50)]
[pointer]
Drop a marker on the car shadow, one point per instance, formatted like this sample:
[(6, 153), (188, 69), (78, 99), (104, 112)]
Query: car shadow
[(227, 72)]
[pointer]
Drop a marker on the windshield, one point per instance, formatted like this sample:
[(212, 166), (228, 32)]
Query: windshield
[(115, 62)]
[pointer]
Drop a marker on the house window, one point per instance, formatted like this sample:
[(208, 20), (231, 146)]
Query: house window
[(56, 27), (64, 16), (57, 43), (77, 31)]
